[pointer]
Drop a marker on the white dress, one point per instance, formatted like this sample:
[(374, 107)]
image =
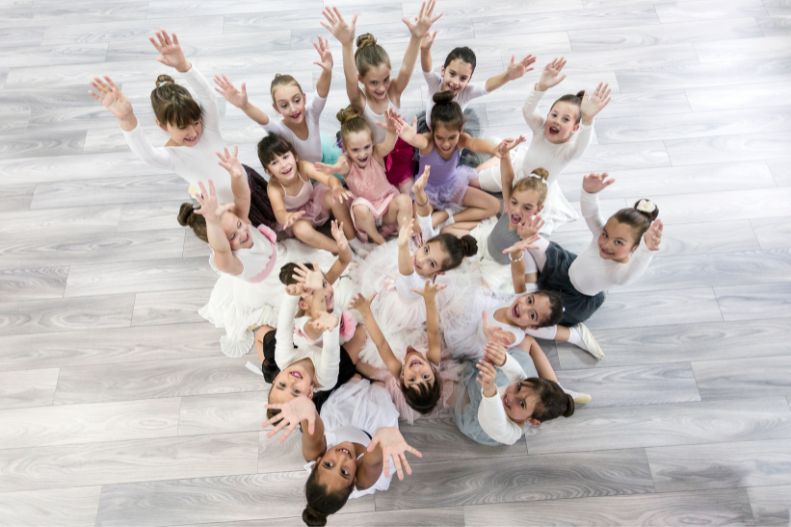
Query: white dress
[(308, 149), (463, 98)]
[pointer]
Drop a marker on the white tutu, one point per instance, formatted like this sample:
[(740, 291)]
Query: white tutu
[(239, 306), (462, 322), (496, 276)]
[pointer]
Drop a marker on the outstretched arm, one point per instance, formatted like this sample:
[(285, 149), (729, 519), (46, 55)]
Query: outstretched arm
[(299, 411), (408, 132), (344, 252), (540, 360), (425, 51), (238, 97), (478, 145), (418, 29), (325, 63), (363, 306), (239, 184), (506, 167), (405, 264), (211, 210), (515, 70), (429, 294), (344, 33)]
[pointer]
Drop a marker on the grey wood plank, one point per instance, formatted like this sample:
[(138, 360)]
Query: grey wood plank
[(622, 310), (748, 376), (781, 171), (772, 233), (771, 505), (233, 497), (32, 282), (88, 423), (221, 413), (716, 507), (627, 426), (260, 19), (540, 477), (632, 385), (106, 382), (123, 461), (55, 54), (759, 95), (679, 342), (737, 147), (67, 507), (76, 220), (101, 345), (744, 48), (150, 216), (720, 465), (748, 302), (44, 144), (742, 204), (617, 156), (169, 307), (46, 316), (24, 388), (16, 197), (706, 10), (135, 28), (151, 275)]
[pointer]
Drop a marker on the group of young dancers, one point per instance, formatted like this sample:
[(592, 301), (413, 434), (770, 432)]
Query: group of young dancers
[(354, 332)]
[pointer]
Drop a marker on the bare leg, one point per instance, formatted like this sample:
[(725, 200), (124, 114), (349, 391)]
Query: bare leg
[(307, 234), (479, 206), (399, 211), (341, 213), (366, 223)]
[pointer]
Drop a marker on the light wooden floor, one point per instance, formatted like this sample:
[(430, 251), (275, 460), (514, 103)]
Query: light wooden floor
[(117, 408)]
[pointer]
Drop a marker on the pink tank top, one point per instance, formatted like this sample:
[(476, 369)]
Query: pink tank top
[(302, 197), (369, 182)]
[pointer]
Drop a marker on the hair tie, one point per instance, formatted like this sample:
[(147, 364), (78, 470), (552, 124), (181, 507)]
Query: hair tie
[(536, 176), (645, 205)]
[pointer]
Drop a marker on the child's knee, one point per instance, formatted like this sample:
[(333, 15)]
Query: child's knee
[(361, 213), (302, 229), (403, 202)]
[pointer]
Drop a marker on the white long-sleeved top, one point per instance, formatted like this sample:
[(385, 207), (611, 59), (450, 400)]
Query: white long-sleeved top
[(326, 361), (308, 149), (463, 98), (196, 163), (491, 412), (406, 284), (589, 272)]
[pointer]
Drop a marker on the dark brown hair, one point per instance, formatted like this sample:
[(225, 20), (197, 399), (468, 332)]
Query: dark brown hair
[(320, 502), (575, 99), (552, 400), (464, 53), (637, 219), (272, 146), (423, 397), (555, 308), (173, 104), (286, 275), (369, 54), (457, 248), (188, 218), (446, 112)]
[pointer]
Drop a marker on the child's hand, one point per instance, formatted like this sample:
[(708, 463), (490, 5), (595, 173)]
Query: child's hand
[(407, 132), (419, 186), (653, 236), (111, 97), (495, 353), (170, 52), (339, 193), (325, 55), (336, 229), (430, 290), (335, 24), (291, 414), (423, 20), (593, 183), (486, 376), (506, 145), (551, 75), (230, 162), (516, 70), (428, 39), (394, 447), (519, 247), (405, 232), (225, 87), (530, 226), (495, 334), (210, 208), (361, 304), (341, 166), (324, 322), (292, 218), (310, 279), (593, 103)]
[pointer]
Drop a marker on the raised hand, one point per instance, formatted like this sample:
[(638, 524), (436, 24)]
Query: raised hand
[(291, 414), (493, 333), (593, 103), (486, 376), (361, 304), (430, 290), (521, 246), (111, 97), (336, 229), (530, 226), (495, 353), (230, 93), (292, 218), (394, 447), (516, 69), (405, 232), (593, 183), (341, 166), (170, 52), (551, 76), (423, 20), (230, 162), (508, 144), (428, 40), (653, 236), (210, 208), (419, 186), (406, 131), (335, 24), (310, 279), (325, 55), (341, 194)]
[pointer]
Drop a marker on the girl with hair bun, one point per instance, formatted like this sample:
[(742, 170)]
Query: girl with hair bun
[(300, 114), (192, 124), (558, 138), (378, 209), (619, 253), (370, 65)]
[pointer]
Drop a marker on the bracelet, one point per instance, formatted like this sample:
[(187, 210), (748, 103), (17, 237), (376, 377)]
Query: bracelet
[(521, 257)]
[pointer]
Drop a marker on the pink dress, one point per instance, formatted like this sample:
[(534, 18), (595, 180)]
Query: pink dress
[(371, 189), (309, 199)]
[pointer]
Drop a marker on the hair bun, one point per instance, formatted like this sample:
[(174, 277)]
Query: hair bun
[(647, 207), (541, 172), (581, 94), (186, 214), (164, 80), (468, 245), (569, 411), (366, 39), (313, 517), (347, 114), (443, 97)]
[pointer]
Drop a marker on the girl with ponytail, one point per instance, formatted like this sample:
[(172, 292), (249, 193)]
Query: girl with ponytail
[(192, 125)]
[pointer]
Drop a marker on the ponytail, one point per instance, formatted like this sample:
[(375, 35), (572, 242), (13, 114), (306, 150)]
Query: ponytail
[(173, 104), (187, 217), (552, 400), (351, 121), (369, 54), (446, 112)]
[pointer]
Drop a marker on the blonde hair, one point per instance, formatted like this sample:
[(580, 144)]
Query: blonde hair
[(536, 181), (283, 80), (351, 121), (369, 54)]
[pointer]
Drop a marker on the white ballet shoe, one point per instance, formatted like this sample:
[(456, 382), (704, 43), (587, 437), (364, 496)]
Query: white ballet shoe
[(589, 342)]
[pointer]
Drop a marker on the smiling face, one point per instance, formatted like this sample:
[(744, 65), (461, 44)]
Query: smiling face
[(456, 76), (416, 369), (236, 230), (376, 82), (283, 168), (429, 259), (337, 467), (616, 241), (520, 402), (290, 103), (445, 140), (293, 381), (186, 136), (522, 205), (562, 120), (359, 147), (529, 311)]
